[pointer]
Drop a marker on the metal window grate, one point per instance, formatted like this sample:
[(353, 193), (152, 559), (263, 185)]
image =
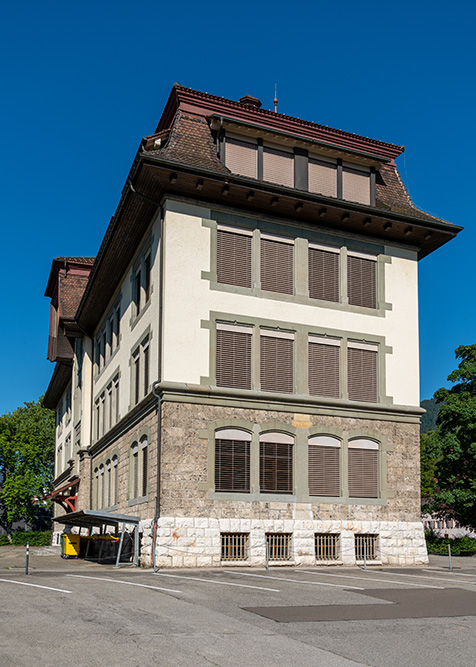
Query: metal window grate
[(326, 546), (366, 547), (234, 546), (278, 546)]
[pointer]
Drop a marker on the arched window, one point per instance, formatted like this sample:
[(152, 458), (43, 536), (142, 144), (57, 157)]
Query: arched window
[(276, 463), (107, 490), (134, 470), (101, 486), (363, 468), (324, 465), (96, 489), (114, 486), (232, 460), (144, 461)]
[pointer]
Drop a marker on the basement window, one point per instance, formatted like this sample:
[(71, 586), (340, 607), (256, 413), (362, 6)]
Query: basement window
[(326, 546), (278, 546), (366, 547), (234, 546)]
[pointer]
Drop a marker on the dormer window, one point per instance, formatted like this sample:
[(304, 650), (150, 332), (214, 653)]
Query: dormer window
[(241, 156), (356, 183)]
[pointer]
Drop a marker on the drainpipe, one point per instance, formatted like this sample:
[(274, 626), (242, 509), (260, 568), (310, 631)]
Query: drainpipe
[(156, 386)]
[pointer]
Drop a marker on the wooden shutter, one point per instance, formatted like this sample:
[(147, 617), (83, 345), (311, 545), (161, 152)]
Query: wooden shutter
[(277, 265), (322, 177), (144, 468), (276, 364), (323, 274), (276, 463), (232, 461), (278, 166), (233, 357), (362, 372), (324, 362), (241, 157), (356, 185), (233, 258), (324, 466), (362, 281), (363, 469)]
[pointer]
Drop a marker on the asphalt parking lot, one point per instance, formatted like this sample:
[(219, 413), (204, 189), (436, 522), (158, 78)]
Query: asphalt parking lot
[(74, 613)]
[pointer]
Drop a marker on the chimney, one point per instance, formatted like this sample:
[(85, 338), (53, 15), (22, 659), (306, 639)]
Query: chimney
[(250, 101)]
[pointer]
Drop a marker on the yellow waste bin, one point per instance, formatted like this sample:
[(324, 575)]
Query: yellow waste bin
[(70, 545)]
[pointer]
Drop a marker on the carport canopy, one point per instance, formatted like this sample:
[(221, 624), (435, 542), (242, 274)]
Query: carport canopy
[(97, 519)]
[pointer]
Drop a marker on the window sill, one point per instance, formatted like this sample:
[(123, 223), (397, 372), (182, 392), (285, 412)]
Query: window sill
[(135, 319), (137, 501)]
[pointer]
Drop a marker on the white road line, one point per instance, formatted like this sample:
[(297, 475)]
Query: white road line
[(451, 573), (23, 583), (422, 576), (296, 581), (212, 581), (120, 581), (387, 581)]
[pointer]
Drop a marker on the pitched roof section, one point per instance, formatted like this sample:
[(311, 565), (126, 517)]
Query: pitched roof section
[(204, 104), (190, 142)]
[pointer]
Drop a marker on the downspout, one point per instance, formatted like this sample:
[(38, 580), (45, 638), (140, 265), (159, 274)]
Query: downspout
[(155, 387)]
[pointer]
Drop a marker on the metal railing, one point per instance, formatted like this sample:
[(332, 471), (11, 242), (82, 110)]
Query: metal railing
[(326, 546)]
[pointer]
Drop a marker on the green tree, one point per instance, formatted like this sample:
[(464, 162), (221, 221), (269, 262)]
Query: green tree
[(27, 438), (429, 459), (453, 444)]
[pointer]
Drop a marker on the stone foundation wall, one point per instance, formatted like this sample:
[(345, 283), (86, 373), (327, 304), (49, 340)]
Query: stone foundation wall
[(196, 541)]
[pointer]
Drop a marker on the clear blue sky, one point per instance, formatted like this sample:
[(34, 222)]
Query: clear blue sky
[(83, 82)]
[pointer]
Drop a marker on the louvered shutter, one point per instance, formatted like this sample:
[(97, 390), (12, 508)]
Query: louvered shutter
[(323, 274), (241, 157), (356, 185), (277, 265), (278, 166), (362, 372), (276, 365), (324, 362), (324, 466), (232, 462), (363, 469), (233, 258), (322, 177), (276, 463), (233, 357), (362, 281)]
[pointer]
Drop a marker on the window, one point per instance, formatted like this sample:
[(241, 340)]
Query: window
[(363, 468), (362, 372), (233, 356), (356, 183), (324, 363), (241, 156), (277, 264), (234, 257), (107, 492), (145, 355), (96, 489), (276, 362), (135, 470), (276, 463), (136, 375), (140, 371), (323, 273), (324, 466), (234, 546), (362, 279), (101, 486), (366, 547), (115, 481), (323, 176), (326, 546), (147, 278), (115, 399), (144, 476), (278, 546), (137, 291), (278, 166), (117, 326), (232, 460)]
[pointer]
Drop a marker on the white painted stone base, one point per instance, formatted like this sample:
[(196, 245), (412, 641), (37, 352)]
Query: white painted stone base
[(196, 542)]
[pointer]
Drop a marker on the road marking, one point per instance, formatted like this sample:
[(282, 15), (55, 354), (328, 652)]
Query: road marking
[(451, 573), (296, 581), (23, 583), (212, 581), (120, 581), (422, 576), (387, 581)]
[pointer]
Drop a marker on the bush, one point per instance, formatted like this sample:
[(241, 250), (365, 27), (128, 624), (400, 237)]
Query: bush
[(4, 541), (460, 546), (36, 538)]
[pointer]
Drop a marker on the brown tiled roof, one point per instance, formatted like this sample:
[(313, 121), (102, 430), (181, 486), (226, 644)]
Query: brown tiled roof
[(77, 260), (190, 143), (70, 293)]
